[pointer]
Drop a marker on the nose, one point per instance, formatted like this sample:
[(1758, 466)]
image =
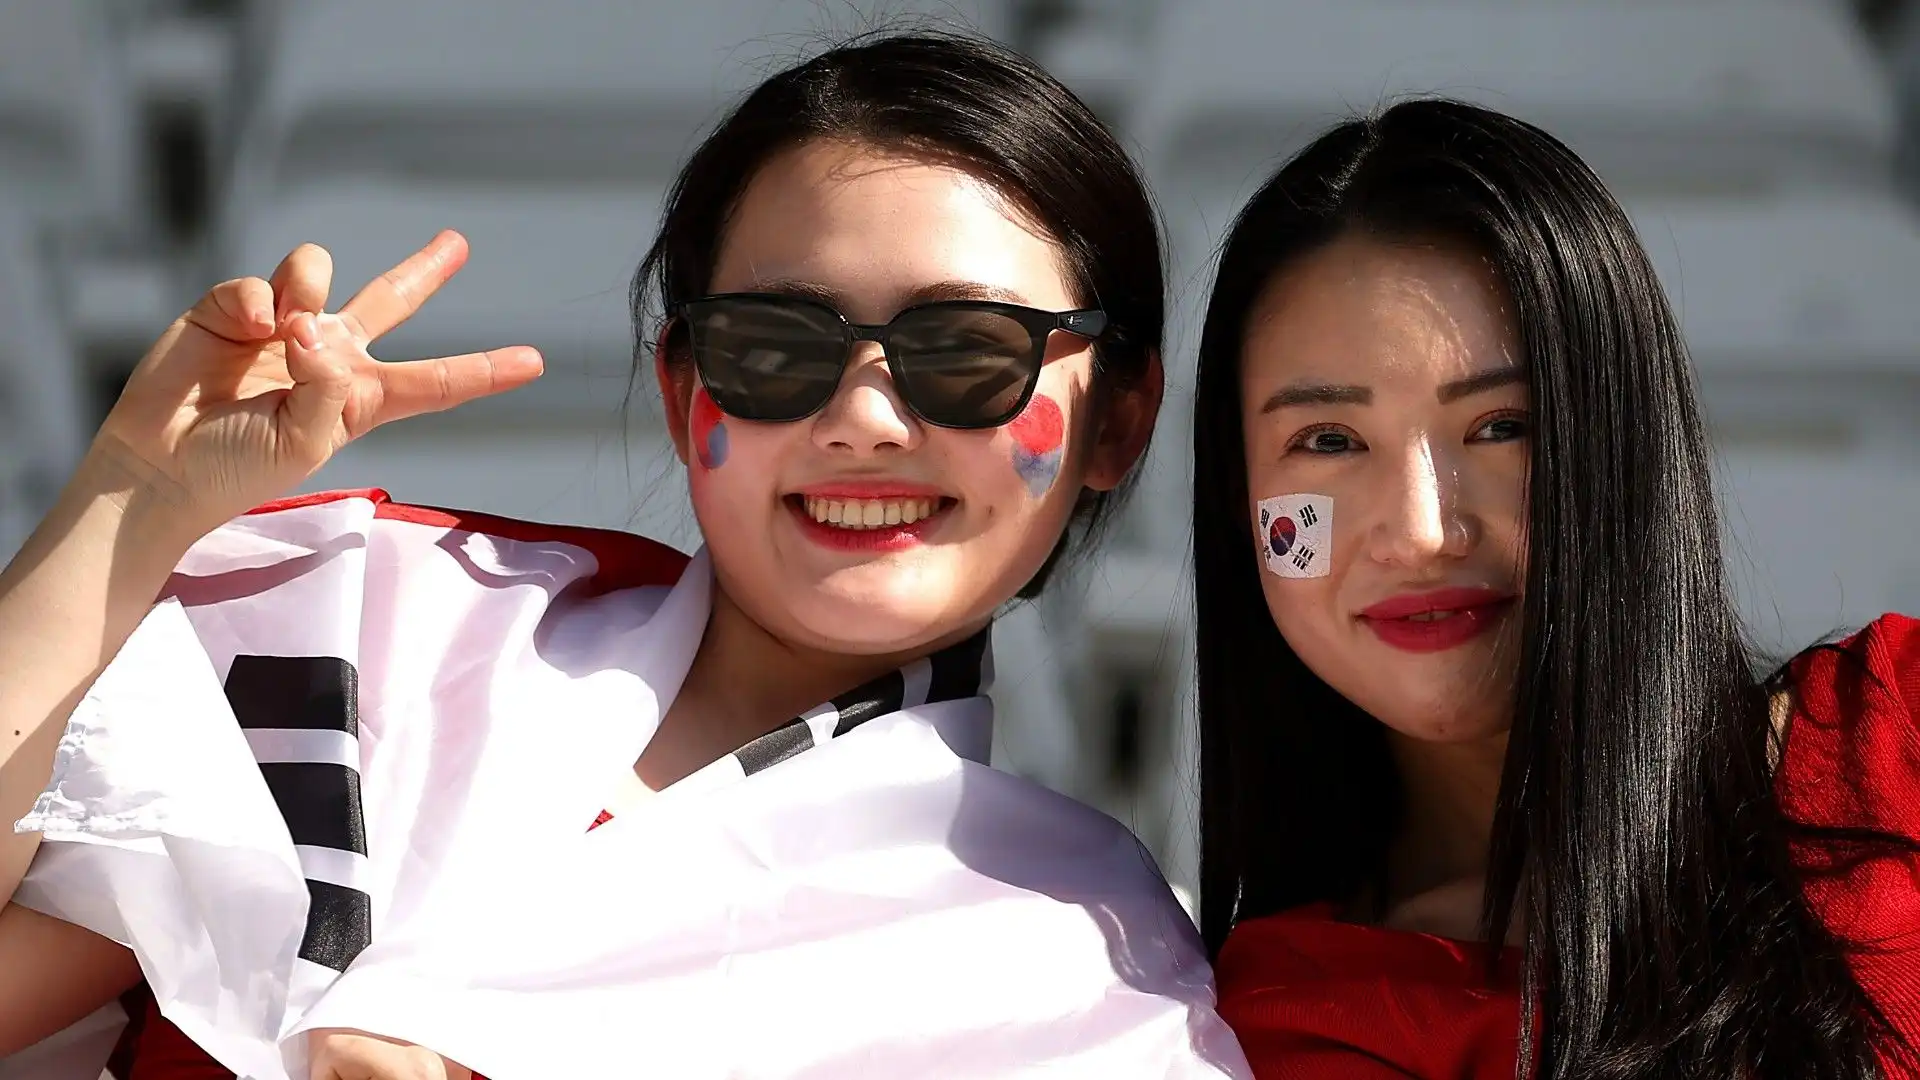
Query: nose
[(866, 416), (1421, 520)]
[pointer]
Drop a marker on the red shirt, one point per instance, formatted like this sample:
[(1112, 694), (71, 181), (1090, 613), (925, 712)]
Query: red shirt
[(1314, 998)]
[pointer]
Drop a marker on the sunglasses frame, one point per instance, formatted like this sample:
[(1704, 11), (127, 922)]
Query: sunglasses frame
[(1088, 323)]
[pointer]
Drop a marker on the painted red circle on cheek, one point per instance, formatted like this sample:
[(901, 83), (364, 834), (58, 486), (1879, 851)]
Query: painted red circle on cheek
[(1039, 428), (706, 415)]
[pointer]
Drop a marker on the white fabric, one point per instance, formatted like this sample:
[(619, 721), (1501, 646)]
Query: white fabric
[(883, 905)]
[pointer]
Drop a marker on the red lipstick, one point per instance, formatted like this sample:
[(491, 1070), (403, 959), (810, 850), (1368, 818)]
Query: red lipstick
[(1438, 620)]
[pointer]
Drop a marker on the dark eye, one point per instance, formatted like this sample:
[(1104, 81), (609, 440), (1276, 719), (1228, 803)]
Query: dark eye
[(1507, 428), (1327, 440)]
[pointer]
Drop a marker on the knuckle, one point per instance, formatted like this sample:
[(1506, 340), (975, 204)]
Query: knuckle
[(225, 289), (400, 286)]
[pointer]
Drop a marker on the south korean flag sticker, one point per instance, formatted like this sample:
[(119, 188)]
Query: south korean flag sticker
[(1299, 535)]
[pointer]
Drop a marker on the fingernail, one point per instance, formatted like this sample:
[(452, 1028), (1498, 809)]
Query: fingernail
[(306, 331)]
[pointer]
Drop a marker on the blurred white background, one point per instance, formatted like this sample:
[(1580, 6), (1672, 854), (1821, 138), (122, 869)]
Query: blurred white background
[(1768, 149)]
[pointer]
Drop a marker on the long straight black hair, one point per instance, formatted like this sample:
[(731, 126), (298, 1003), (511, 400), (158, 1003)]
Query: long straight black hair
[(961, 100), (1665, 930)]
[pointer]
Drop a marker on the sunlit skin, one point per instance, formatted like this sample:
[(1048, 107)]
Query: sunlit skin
[(871, 232), (1389, 376)]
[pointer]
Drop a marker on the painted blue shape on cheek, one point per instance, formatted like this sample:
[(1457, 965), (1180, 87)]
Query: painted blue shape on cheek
[(1038, 470), (714, 453)]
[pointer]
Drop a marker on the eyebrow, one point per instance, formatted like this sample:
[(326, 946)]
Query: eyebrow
[(1328, 394), (1481, 383), (924, 294), (1316, 394)]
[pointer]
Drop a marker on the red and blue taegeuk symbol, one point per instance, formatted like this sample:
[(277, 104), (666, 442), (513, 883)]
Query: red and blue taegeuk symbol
[(1281, 534), (709, 431), (1038, 435)]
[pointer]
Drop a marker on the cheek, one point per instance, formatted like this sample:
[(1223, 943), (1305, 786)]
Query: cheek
[(1306, 612), (1039, 444), (708, 429)]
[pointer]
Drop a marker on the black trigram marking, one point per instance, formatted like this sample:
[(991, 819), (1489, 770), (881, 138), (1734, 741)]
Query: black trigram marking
[(955, 672), (1307, 516), (1265, 519), (1303, 557), (320, 800), (775, 746)]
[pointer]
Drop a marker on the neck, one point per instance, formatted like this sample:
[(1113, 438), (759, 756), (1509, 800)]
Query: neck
[(1437, 865), (744, 682)]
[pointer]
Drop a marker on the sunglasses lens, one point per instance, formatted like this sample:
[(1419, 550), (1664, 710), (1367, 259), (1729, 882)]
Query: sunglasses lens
[(965, 367), (767, 359)]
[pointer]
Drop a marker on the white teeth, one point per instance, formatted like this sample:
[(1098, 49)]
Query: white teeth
[(869, 513)]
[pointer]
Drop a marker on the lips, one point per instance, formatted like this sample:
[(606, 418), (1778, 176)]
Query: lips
[(1438, 620)]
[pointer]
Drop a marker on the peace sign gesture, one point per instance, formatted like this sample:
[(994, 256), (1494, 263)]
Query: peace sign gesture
[(253, 389)]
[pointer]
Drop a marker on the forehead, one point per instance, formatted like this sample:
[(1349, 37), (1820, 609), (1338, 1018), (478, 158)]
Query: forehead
[(873, 226), (1363, 311)]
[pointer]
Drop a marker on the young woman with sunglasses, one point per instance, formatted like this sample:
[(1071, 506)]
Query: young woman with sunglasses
[(1469, 672), (591, 808)]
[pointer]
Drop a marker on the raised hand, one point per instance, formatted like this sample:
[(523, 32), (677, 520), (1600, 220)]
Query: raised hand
[(253, 389)]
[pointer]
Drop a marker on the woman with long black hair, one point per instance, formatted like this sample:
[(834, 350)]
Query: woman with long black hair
[(1491, 782)]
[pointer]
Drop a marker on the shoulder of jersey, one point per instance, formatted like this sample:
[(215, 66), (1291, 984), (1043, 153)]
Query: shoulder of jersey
[(625, 560)]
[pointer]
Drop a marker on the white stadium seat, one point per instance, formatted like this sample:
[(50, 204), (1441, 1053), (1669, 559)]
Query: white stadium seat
[(1713, 92), (1799, 312), (1820, 283), (42, 418), (67, 138)]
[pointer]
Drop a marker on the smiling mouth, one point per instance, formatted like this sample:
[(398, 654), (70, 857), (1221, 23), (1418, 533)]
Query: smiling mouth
[(864, 514)]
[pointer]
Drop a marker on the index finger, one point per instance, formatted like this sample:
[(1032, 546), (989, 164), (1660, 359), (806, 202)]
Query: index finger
[(393, 297)]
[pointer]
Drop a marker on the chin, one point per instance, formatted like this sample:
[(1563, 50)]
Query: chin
[(1441, 722), (867, 620)]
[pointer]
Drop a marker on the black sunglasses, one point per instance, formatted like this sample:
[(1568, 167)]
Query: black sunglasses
[(955, 363)]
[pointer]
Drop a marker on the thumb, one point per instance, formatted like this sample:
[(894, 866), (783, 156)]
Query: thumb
[(322, 380)]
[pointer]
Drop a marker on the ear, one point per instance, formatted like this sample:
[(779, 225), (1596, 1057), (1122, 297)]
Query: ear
[(676, 393), (1126, 428)]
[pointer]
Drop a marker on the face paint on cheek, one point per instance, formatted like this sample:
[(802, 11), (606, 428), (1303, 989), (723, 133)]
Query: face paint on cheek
[(1299, 535), (709, 431), (1039, 447)]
